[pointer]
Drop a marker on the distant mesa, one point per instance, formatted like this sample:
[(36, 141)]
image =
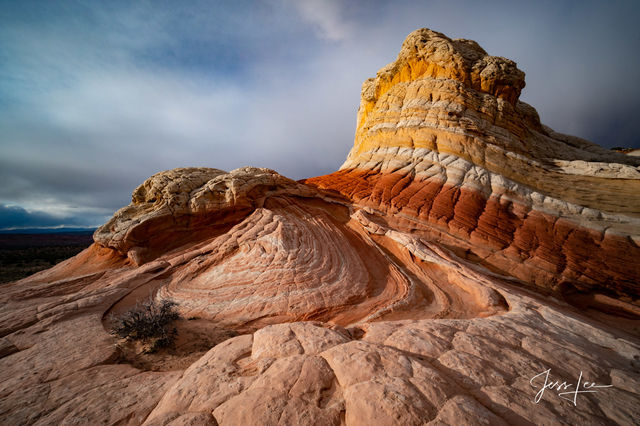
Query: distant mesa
[(629, 151)]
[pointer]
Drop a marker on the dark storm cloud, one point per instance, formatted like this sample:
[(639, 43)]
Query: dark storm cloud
[(97, 96), (15, 218)]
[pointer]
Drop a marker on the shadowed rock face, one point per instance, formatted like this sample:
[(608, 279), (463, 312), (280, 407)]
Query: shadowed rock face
[(425, 282)]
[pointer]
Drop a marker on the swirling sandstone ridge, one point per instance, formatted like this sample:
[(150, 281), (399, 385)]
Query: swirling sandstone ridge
[(461, 250)]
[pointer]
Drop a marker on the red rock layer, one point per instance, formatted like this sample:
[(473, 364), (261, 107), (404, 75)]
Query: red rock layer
[(307, 259), (538, 248)]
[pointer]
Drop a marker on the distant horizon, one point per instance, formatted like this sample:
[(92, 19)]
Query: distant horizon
[(47, 230), (95, 98)]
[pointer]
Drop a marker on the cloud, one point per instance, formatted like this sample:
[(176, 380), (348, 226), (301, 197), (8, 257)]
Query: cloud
[(325, 16), (15, 217)]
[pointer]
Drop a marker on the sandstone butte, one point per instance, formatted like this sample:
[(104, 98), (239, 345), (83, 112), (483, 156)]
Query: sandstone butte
[(461, 250)]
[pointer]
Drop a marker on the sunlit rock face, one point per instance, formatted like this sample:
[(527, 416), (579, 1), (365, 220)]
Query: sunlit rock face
[(442, 140), (461, 251)]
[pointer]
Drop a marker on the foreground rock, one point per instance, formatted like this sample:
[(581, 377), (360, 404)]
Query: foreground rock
[(462, 253)]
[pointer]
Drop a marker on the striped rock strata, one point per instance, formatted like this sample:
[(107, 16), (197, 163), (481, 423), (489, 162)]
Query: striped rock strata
[(443, 143), (397, 290)]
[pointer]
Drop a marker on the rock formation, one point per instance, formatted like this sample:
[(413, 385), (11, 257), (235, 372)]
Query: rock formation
[(442, 138), (462, 250)]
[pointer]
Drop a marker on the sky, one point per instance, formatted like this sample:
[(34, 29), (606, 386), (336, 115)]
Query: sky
[(96, 96)]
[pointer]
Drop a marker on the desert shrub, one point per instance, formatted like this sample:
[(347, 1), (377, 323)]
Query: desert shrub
[(149, 322)]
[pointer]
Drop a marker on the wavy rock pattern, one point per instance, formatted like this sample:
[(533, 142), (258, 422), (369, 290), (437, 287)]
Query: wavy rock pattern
[(169, 207), (426, 282)]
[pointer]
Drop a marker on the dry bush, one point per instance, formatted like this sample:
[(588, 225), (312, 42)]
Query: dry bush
[(148, 322)]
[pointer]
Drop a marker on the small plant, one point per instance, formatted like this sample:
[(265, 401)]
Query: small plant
[(148, 322)]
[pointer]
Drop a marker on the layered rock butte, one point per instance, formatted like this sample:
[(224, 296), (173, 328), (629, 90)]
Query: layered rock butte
[(462, 249)]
